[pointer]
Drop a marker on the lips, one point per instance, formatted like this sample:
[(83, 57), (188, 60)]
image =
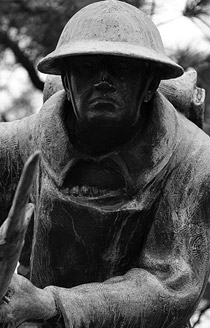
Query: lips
[(104, 106), (104, 99)]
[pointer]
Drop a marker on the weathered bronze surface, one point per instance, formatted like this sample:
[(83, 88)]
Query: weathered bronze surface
[(122, 199), (111, 28)]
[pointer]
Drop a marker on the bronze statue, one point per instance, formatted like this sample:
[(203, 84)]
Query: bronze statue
[(120, 236)]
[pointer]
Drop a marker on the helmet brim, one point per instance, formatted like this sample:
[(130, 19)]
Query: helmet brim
[(51, 64)]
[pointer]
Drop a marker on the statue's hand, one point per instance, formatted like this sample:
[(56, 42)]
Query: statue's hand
[(25, 302)]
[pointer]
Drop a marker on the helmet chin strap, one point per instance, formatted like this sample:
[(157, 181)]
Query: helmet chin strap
[(68, 87), (144, 98)]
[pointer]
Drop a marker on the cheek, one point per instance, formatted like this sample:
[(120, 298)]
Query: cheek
[(80, 89), (130, 92), (136, 87)]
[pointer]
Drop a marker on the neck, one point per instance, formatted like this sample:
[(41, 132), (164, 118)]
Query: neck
[(101, 140)]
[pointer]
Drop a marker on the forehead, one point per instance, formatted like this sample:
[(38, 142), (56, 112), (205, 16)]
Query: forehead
[(112, 60)]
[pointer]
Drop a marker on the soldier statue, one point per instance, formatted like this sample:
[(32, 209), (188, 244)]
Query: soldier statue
[(120, 233)]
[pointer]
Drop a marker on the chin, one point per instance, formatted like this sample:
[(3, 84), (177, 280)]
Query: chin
[(106, 120)]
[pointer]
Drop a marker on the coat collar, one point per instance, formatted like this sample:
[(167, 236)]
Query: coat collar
[(142, 159)]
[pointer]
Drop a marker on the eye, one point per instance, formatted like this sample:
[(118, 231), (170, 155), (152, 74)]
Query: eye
[(123, 65), (88, 65)]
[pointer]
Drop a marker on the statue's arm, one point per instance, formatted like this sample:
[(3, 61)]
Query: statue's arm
[(164, 289), (15, 148), (140, 298)]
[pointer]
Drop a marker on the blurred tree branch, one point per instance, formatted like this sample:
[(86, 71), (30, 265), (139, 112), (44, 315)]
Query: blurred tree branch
[(22, 59), (197, 9)]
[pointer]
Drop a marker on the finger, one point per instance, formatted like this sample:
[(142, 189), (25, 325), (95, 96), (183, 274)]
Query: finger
[(10, 251), (16, 215)]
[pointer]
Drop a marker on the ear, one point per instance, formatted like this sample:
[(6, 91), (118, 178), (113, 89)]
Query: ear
[(152, 88)]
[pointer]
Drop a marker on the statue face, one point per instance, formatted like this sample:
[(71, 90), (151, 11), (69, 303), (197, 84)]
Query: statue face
[(107, 90), (107, 93)]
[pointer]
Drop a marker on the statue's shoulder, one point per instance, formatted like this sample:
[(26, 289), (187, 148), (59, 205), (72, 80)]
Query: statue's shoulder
[(15, 146), (192, 170), (11, 132), (9, 140), (11, 164), (186, 104), (185, 96), (52, 85), (52, 107)]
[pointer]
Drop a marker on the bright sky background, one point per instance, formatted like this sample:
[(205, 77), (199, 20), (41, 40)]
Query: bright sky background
[(179, 31), (13, 83)]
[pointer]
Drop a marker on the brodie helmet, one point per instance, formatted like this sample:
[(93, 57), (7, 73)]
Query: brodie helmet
[(111, 27)]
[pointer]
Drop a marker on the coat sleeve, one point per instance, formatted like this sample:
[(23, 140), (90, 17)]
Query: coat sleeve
[(165, 288)]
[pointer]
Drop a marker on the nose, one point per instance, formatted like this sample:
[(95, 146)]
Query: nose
[(105, 82), (105, 86)]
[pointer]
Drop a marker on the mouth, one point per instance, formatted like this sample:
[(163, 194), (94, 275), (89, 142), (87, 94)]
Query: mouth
[(103, 100), (96, 186), (104, 106), (103, 111)]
